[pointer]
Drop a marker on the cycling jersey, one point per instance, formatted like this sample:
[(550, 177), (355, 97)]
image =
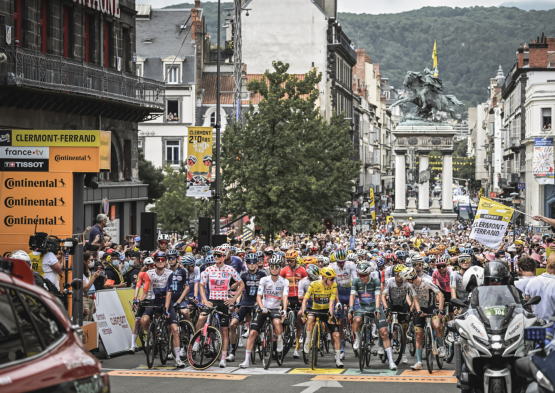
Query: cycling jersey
[(425, 293), (443, 281), (457, 283), (177, 283), (321, 294), (344, 279), (194, 278), (218, 280), (143, 279), (397, 294), (366, 293), (303, 287), (238, 264), (273, 292), (157, 290), (252, 281), (294, 277)]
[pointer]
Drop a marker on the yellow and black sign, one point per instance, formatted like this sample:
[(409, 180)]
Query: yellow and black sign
[(67, 138)]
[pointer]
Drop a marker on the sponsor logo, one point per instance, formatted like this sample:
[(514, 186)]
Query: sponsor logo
[(10, 202), (10, 183), (26, 165), (225, 275), (69, 157), (476, 329), (24, 152), (11, 221), (515, 329), (5, 138)]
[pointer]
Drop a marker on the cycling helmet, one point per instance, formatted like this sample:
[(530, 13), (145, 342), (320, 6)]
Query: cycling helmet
[(399, 268), (361, 252), (340, 255), (432, 257), (221, 250), (454, 250), (442, 260), (332, 257), (314, 249), (412, 253), (209, 260), (284, 247), (187, 260), (172, 253), (408, 274), (434, 251), (364, 268), (251, 258), (308, 260), (22, 255), (269, 251), (327, 272), (300, 261), (325, 251), (239, 251), (350, 251), (425, 267), (473, 277), (373, 266), (225, 245), (400, 254), (313, 272), (417, 259), (469, 251), (320, 258), (380, 261), (260, 255), (497, 270), (232, 249), (148, 261), (465, 257), (441, 248), (280, 254), (326, 261), (352, 257), (159, 254), (291, 254), (389, 255), (205, 249), (275, 261), (199, 262)]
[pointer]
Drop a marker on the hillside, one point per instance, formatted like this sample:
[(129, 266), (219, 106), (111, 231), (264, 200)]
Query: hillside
[(472, 42)]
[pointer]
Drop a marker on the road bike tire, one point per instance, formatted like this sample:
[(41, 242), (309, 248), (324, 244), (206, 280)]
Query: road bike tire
[(305, 355), (288, 337), (439, 359), (428, 344), (253, 352), (267, 344), (151, 345), (412, 343), (185, 333), (362, 349), (164, 343), (209, 351), (397, 344), (259, 347), (369, 345), (450, 352), (326, 341), (315, 343), (142, 336)]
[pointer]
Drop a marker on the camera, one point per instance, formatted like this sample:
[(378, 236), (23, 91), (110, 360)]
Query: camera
[(47, 243)]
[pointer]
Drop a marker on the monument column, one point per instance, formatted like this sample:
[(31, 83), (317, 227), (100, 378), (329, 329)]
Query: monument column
[(423, 188), (400, 181), (447, 182)]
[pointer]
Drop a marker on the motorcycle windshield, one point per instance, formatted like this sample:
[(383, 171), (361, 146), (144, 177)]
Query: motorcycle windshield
[(495, 302)]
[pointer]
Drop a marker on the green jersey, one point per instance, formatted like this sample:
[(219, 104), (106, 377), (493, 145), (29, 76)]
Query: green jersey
[(366, 293)]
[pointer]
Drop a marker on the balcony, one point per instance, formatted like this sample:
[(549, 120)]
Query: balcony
[(514, 144), (343, 44), (514, 178), (32, 69)]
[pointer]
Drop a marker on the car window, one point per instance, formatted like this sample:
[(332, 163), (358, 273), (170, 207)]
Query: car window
[(30, 338), (46, 322), (11, 345)]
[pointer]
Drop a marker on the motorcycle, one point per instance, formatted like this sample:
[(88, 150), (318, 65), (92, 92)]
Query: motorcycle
[(491, 339)]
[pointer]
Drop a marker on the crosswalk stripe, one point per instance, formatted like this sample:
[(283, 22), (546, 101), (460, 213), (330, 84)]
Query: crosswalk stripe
[(425, 373), (372, 378), (158, 374)]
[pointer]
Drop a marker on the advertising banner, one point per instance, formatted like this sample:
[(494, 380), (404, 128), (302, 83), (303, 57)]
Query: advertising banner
[(112, 324), (67, 138), (199, 161), (112, 229), (126, 298), (372, 206), (542, 165), (491, 222), (90, 335), (79, 159)]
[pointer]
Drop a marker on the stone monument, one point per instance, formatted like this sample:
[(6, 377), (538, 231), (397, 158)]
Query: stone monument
[(420, 132)]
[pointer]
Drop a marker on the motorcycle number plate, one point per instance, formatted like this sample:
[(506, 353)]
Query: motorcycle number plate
[(495, 311)]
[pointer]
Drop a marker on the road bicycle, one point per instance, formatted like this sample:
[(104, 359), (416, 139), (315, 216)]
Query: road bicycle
[(269, 344), (366, 340), (210, 342), (430, 346), (449, 348), (411, 337), (158, 337), (318, 336), (185, 329), (396, 337)]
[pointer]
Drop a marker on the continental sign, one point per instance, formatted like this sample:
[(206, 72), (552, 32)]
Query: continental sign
[(77, 159)]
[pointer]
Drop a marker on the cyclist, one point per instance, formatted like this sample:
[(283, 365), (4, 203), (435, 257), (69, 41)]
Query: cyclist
[(313, 272), (294, 273), (442, 279), (425, 305), (251, 278), (457, 289), (177, 289), (142, 279), (323, 292), (188, 261), (418, 264), (272, 302), (159, 277), (345, 272), (217, 278), (400, 299)]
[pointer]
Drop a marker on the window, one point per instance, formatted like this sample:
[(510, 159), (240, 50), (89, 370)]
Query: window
[(139, 69), (106, 44), (172, 73), (126, 49), (140, 143), (172, 152), (87, 35), (213, 119), (43, 26), (17, 21), (546, 119), (65, 31), (47, 325), (11, 344), (172, 111)]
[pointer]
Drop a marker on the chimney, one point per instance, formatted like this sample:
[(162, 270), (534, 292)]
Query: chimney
[(359, 70), (520, 56), (538, 53), (197, 3), (550, 44), (367, 59)]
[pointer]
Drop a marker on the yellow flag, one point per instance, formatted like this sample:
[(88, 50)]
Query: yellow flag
[(434, 56), (480, 195), (371, 204)]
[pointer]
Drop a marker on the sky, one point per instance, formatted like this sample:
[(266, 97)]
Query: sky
[(395, 6)]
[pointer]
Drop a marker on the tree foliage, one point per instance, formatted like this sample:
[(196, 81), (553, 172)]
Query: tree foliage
[(287, 166), (154, 177), (175, 200)]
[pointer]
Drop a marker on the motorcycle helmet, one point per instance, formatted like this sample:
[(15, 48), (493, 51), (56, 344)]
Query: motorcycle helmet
[(472, 278), (497, 271)]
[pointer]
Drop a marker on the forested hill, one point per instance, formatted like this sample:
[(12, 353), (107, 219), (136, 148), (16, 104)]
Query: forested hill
[(472, 42)]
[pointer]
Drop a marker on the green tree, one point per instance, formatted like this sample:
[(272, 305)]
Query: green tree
[(287, 166), (175, 200), (152, 176)]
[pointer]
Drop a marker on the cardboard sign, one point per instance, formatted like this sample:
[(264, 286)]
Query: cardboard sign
[(90, 335)]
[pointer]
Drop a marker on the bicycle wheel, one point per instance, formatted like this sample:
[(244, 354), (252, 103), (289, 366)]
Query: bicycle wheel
[(259, 346), (185, 333), (288, 337), (397, 344), (210, 348), (303, 337), (142, 337), (164, 332), (267, 344), (348, 331), (439, 359), (412, 340), (315, 343), (428, 344), (326, 339), (369, 345), (362, 348), (253, 352), (151, 345)]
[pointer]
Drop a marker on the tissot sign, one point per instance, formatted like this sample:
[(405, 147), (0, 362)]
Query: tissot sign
[(110, 7)]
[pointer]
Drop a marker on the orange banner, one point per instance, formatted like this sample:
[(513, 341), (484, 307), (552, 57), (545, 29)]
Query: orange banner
[(105, 149), (75, 159)]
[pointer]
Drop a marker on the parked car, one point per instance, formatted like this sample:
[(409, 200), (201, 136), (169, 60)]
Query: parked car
[(39, 347)]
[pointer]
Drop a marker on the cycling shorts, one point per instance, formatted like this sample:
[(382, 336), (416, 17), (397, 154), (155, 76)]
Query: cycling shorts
[(257, 324), (324, 317), (447, 296), (421, 321), (401, 318), (294, 303), (243, 312), (382, 322), (341, 313), (150, 312), (220, 307)]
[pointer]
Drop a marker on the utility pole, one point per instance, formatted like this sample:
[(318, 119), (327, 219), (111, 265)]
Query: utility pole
[(218, 127)]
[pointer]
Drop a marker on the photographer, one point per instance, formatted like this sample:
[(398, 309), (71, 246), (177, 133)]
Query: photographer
[(111, 261), (88, 286), (47, 265)]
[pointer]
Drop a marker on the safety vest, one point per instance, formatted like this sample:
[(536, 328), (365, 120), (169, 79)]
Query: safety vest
[(36, 263)]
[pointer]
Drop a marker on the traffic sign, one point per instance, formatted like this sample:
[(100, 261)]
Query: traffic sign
[(352, 211), (354, 220)]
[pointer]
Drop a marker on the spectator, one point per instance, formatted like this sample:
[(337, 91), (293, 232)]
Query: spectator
[(98, 229), (527, 271), (170, 116), (111, 262), (88, 286), (544, 286), (135, 269), (426, 230), (411, 226)]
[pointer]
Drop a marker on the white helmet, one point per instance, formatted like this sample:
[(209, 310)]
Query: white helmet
[(474, 276), (326, 261), (148, 261), (373, 266), (20, 254), (352, 257)]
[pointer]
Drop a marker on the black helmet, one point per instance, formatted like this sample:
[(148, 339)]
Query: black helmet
[(497, 269)]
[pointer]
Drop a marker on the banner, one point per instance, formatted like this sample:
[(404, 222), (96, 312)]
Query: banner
[(371, 203), (490, 222), (542, 165), (113, 327), (126, 298), (199, 162)]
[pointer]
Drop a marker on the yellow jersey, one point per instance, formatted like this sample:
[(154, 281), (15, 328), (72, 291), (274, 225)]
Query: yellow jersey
[(322, 295)]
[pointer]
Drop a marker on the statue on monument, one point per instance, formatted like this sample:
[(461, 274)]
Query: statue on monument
[(426, 92)]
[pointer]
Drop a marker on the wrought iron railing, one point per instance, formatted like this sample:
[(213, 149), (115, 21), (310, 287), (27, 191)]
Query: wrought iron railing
[(27, 67)]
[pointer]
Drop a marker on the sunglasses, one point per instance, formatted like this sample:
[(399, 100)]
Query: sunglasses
[(363, 275), (218, 256), (275, 267), (416, 264), (160, 259), (172, 258), (330, 279), (251, 262)]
